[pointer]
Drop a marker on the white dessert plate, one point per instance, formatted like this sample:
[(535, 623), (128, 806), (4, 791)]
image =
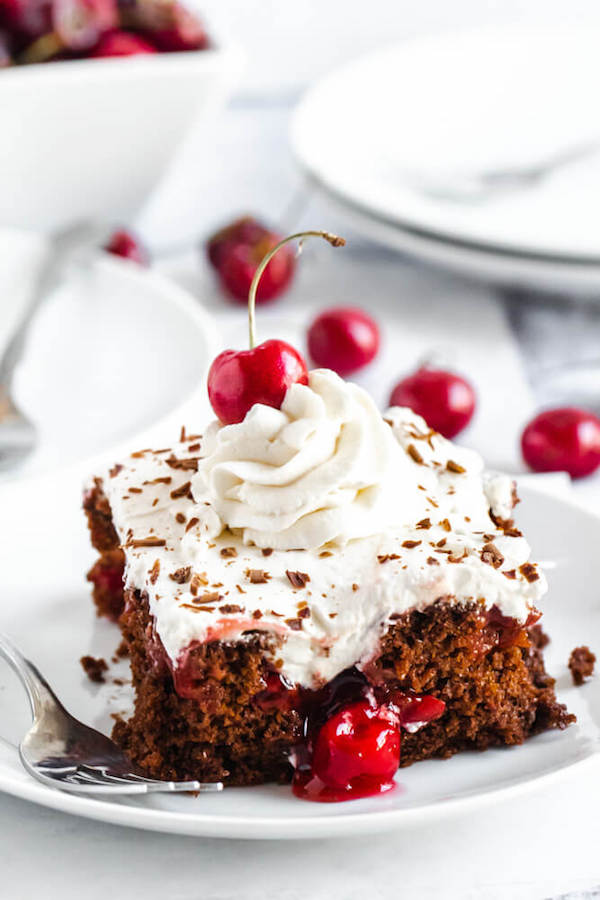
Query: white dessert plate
[(46, 609), (435, 109), (112, 352)]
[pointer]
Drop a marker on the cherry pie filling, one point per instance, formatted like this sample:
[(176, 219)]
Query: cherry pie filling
[(351, 732)]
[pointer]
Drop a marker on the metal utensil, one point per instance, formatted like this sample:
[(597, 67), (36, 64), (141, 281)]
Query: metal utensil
[(62, 752), (76, 243), (476, 187)]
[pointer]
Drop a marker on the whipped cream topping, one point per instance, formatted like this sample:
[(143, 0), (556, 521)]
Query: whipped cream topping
[(326, 606), (323, 468)]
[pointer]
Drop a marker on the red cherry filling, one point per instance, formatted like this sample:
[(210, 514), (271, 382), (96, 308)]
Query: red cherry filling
[(124, 243), (343, 339), (445, 400), (238, 380), (566, 439), (352, 745)]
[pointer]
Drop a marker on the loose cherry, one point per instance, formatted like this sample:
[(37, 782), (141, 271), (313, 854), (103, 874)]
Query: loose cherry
[(343, 339), (236, 252), (445, 400), (245, 230), (566, 439), (122, 43), (239, 379), (124, 243)]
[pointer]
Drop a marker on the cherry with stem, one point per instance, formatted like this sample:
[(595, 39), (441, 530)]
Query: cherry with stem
[(237, 380)]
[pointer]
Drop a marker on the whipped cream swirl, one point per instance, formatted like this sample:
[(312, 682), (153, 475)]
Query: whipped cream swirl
[(324, 468)]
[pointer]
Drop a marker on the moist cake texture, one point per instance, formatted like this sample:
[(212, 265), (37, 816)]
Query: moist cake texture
[(317, 548)]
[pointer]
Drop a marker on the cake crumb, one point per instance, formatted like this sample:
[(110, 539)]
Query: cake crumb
[(581, 664), (94, 668)]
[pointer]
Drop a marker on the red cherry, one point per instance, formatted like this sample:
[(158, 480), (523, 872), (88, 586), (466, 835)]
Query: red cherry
[(121, 43), (343, 339), (357, 745), (239, 261), (183, 32), (27, 18), (445, 400), (239, 379), (565, 439), (81, 23), (123, 243), (5, 57), (246, 230)]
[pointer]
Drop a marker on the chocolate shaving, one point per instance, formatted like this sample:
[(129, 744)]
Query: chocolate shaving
[(147, 542), (209, 597), (491, 556), (257, 614), (197, 582), (510, 573), (445, 524), (304, 613), (229, 608), (424, 524), (325, 553), (410, 545), (193, 448), (228, 552), (257, 576), (432, 561), (528, 571), (180, 517), (294, 624), (193, 521), (115, 470), (266, 551), (414, 454), (187, 465), (455, 467), (182, 575), (155, 571), (297, 579), (185, 490), (387, 556)]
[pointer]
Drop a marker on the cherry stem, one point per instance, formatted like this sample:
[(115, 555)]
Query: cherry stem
[(333, 239)]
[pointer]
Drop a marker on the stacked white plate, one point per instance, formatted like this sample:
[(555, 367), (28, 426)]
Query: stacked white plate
[(393, 138)]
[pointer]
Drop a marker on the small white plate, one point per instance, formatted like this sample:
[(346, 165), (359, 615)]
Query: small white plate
[(458, 103), (480, 262), (115, 350), (46, 609)]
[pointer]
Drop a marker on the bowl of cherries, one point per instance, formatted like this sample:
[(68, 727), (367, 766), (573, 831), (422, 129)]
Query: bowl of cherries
[(96, 96)]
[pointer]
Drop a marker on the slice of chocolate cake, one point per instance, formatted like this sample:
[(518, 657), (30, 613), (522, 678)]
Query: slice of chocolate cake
[(318, 593)]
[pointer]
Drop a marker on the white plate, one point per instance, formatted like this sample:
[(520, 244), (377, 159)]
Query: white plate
[(462, 103), (113, 351), (481, 262), (47, 610)]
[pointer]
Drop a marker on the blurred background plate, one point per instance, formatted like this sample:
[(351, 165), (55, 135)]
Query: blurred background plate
[(116, 351), (378, 133)]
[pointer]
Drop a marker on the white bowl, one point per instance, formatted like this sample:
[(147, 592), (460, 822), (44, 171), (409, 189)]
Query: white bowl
[(91, 138), (116, 358)]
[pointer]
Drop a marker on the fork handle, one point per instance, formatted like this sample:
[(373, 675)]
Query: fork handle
[(38, 690)]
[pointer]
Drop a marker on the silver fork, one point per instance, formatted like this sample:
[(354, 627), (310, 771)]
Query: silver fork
[(17, 434), (64, 753)]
